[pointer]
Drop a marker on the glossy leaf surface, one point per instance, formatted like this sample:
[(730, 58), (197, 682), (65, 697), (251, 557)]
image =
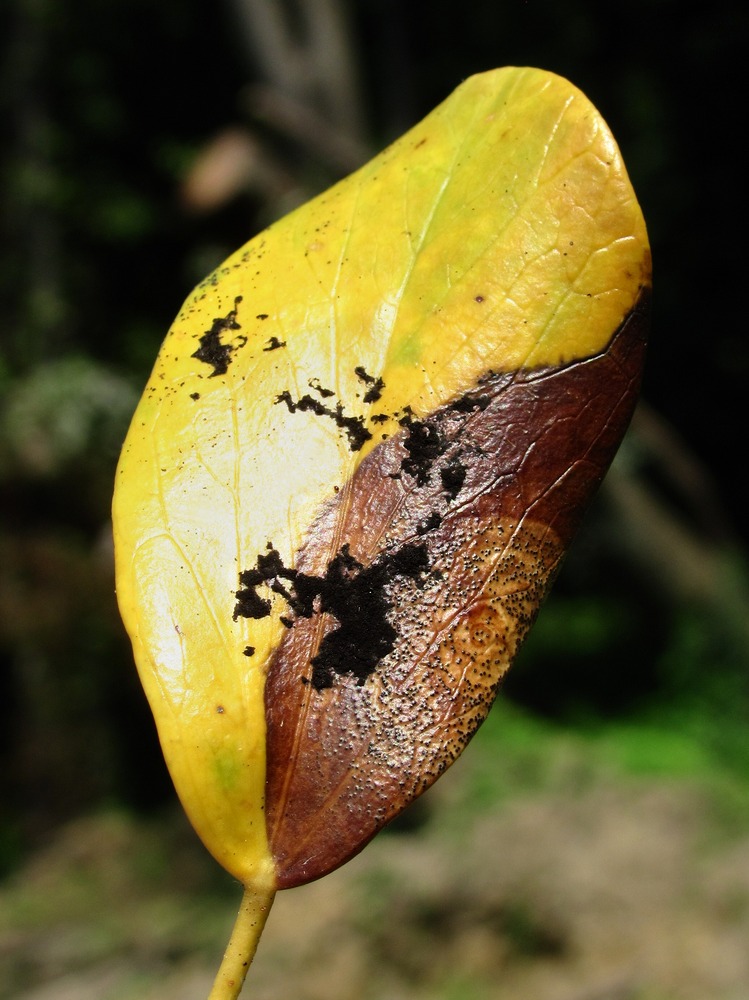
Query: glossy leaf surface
[(366, 443)]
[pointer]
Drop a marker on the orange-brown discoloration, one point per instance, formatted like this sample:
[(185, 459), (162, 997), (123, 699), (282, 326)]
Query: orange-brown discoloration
[(364, 750), (487, 493)]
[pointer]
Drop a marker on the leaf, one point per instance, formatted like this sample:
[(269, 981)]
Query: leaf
[(366, 444)]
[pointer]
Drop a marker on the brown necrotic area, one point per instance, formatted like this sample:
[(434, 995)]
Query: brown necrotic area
[(447, 538)]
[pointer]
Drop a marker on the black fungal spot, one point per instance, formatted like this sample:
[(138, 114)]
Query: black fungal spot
[(424, 443), (212, 351), (249, 605), (376, 385), (357, 598), (262, 316), (314, 383), (274, 343), (271, 564), (433, 521), (354, 595), (354, 427), (467, 404), (194, 395), (373, 394), (453, 476), (268, 570), (249, 651)]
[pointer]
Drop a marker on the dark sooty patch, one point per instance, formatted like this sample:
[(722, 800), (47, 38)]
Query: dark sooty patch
[(430, 524), (453, 476), (274, 343), (354, 595), (426, 442), (354, 427), (212, 350), (314, 383), (376, 385)]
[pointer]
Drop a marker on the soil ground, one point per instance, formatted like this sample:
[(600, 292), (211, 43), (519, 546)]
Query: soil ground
[(585, 884)]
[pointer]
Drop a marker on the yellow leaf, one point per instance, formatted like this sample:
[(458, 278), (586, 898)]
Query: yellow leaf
[(366, 443)]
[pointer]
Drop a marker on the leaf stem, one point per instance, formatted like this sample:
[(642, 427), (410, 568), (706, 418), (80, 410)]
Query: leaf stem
[(253, 912)]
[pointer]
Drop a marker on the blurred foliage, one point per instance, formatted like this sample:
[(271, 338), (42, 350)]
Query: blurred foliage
[(145, 142), (67, 412)]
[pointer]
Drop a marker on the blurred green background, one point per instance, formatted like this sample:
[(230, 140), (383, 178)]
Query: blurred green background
[(144, 142)]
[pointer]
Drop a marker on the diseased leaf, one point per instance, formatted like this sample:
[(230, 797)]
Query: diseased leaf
[(365, 446)]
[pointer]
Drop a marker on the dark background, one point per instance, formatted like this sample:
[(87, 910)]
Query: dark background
[(113, 116)]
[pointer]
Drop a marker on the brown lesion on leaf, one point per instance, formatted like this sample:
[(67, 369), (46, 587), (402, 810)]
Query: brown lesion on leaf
[(368, 749), (489, 489), (430, 441)]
